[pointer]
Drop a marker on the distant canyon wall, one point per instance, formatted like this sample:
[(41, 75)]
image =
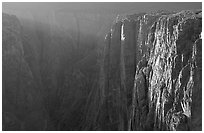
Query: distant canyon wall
[(145, 75), (48, 72)]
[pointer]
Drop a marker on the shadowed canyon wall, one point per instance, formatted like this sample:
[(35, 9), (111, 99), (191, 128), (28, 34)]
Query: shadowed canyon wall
[(145, 75), (48, 73)]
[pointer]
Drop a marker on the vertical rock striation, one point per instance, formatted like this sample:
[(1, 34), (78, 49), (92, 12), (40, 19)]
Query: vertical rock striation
[(148, 77), (22, 101), (152, 71), (46, 79)]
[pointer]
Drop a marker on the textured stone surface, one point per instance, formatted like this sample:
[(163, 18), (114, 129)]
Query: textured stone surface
[(148, 77), (161, 51)]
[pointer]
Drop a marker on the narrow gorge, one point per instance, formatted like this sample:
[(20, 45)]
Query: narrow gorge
[(142, 74)]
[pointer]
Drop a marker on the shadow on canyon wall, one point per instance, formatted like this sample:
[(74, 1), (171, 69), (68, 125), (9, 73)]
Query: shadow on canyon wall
[(138, 72)]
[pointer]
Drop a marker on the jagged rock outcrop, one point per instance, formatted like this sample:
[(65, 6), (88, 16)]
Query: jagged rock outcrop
[(152, 72), (147, 78)]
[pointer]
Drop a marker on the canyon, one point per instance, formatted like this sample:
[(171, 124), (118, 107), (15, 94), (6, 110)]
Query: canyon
[(142, 73)]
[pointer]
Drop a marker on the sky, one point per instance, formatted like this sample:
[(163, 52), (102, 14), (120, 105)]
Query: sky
[(63, 13), (99, 7)]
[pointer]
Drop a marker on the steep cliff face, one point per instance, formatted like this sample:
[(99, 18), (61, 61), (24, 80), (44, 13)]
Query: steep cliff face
[(148, 76), (46, 77), (22, 100), (152, 72)]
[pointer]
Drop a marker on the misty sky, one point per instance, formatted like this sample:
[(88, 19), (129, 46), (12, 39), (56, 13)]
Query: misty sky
[(91, 16), (100, 7)]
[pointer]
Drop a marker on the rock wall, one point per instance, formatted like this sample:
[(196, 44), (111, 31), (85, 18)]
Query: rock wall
[(152, 72), (22, 100), (46, 78), (148, 76)]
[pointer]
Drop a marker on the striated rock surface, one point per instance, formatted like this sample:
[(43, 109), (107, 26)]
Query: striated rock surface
[(46, 78), (152, 72), (22, 100), (148, 77)]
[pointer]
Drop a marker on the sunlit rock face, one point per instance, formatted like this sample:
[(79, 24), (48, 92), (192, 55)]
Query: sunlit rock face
[(152, 72), (148, 76)]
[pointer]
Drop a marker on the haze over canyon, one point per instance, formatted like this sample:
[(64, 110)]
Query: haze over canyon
[(102, 66)]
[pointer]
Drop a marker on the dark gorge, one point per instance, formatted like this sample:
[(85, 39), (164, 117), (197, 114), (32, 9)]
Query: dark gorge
[(143, 72)]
